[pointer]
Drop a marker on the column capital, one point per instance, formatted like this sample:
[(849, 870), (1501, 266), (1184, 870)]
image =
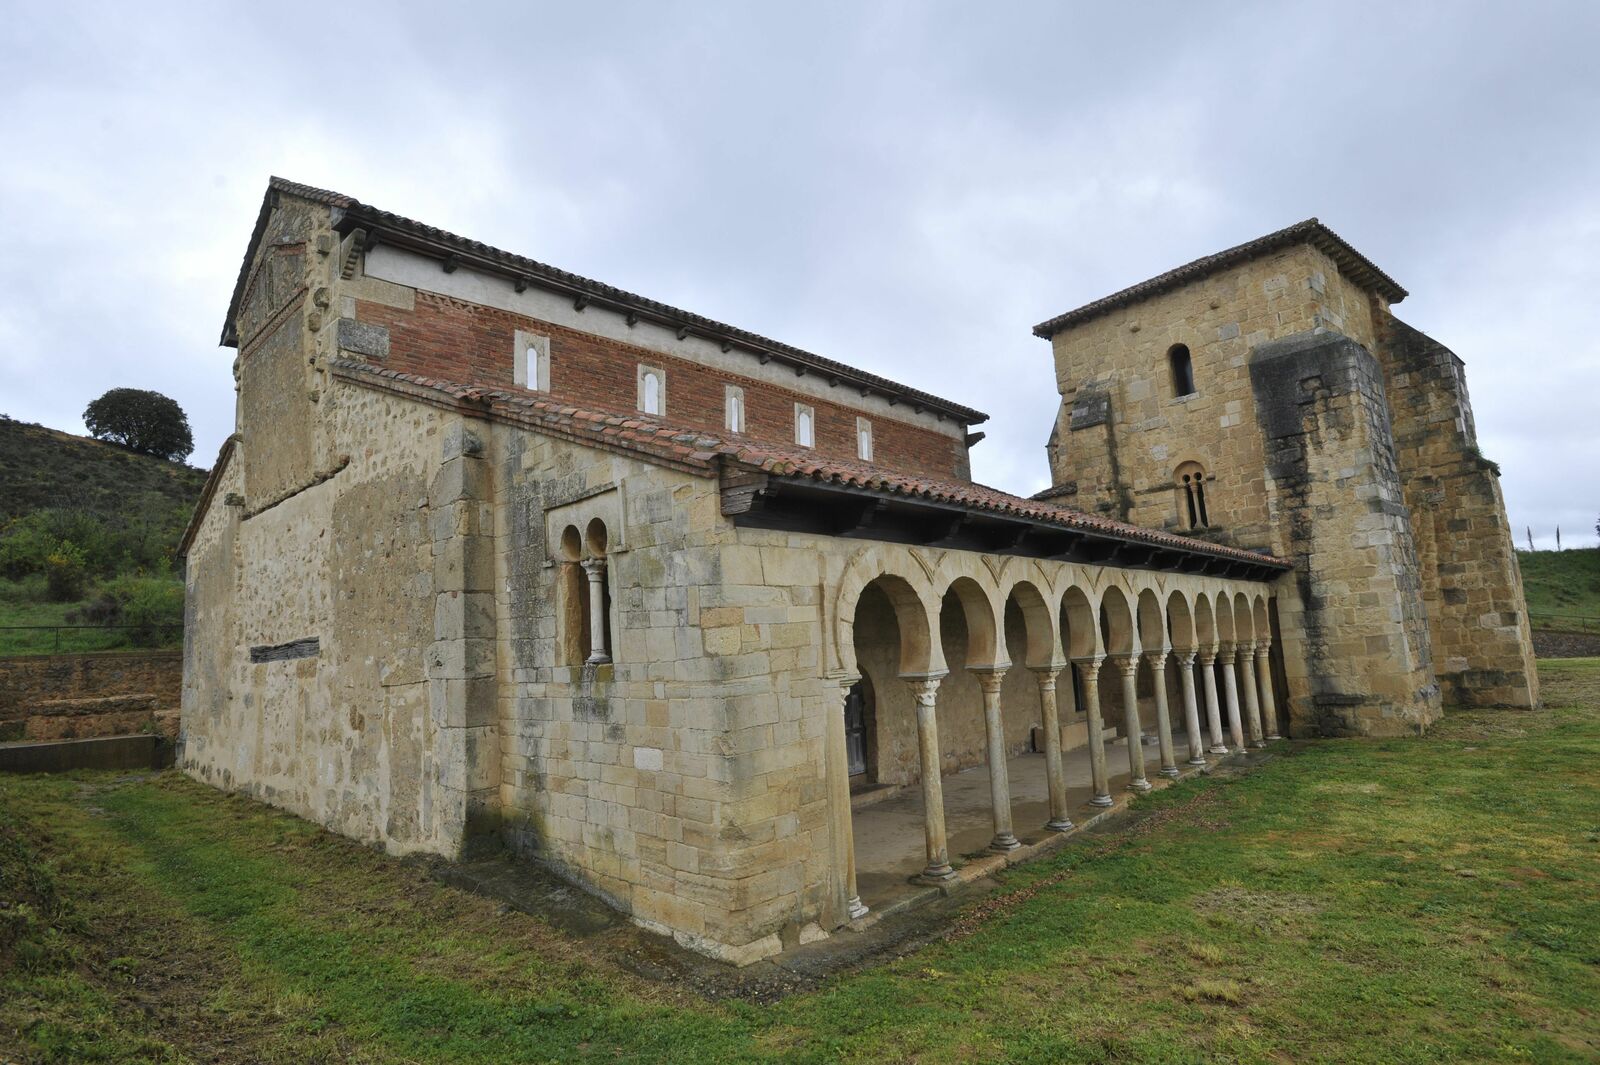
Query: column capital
[(1157, 658), (924, 686), (990, 678), (1128, 663), (1045, 675), (1263, 648), (1208, 658), (1186, 658), (1089, 665), (594, 567)]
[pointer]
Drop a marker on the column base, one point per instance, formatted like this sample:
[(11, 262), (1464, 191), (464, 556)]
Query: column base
[(1141, 785), (1258, 744), (1169, 771), (1218, 748), (855, 908), (1004, 842), (1198, 759), (1274, 736), (936, 875), (1101, 800), (1059, 824), (597, 660)]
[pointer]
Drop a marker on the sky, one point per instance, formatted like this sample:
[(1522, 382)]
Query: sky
[(904, 187)]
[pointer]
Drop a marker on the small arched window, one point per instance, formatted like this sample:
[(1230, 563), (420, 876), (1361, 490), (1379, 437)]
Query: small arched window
[(803, 425), (1182, 367), (652, 390), (1190, 482)]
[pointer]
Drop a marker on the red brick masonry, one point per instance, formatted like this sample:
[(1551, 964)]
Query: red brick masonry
[(452, 340)]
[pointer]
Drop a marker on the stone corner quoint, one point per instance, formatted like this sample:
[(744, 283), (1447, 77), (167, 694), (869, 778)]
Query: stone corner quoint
[(502, 557)]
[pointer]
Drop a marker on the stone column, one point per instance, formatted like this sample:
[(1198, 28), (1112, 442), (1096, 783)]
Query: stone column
[(1230, 685), (838, 771), (1089, 671), (1158, 673), (1269, 702), (1191, 709), (1050, 724), (595, 570), (1130, 723), (991, 680), (925, 690), (1252, 709), (1208, 677)]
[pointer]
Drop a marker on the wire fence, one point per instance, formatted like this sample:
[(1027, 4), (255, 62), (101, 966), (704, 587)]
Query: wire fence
[(1540, 619), (68, 639)]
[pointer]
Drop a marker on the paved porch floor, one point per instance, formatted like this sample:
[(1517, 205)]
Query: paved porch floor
[(890, 847)]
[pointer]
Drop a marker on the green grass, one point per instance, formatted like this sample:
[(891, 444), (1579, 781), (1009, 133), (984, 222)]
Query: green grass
[(1413, 900), (1562, 582), (22, 604)]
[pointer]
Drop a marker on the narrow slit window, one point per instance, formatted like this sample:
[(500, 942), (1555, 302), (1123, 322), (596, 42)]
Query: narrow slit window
[(532, 365), (1182, 370), (863, 440), (652, 390), (733, 402), (804, 429)]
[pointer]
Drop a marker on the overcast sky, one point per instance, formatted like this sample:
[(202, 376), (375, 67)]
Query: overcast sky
[(904, 187)]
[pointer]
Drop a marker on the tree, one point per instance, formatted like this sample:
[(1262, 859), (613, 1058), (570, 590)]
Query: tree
[(142, 421)]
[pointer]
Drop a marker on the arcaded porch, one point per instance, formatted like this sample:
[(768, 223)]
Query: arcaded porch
[(890, 851)]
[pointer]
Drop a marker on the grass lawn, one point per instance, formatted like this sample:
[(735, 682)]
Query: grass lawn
[(26, 619), (1561, 584), (1418, 900)]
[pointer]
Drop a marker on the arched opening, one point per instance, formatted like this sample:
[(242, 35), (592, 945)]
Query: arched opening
[(860, 733), (572, 597), (891, 639), (1182, 367), (598, 597), (1189, 481)]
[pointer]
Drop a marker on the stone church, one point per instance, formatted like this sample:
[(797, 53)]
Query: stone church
[(723, 631)]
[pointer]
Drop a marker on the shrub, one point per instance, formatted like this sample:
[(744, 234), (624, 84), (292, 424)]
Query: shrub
[(142, 421), (64, 573), (152, 605)]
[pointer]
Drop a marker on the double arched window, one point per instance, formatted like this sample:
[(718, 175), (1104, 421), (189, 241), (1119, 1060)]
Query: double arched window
[(1190, 482)]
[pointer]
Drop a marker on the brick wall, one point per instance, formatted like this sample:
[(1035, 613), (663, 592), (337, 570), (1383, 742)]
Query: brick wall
[(106, 693), (459, 341)]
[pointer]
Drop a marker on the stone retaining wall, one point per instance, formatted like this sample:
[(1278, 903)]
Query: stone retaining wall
[(105, 693)]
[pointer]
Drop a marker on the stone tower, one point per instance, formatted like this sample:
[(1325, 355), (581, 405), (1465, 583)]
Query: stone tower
[(1266, 398)]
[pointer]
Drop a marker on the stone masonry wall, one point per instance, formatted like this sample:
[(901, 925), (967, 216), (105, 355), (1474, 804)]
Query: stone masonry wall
[(1321, 405), (105, 693), (1471, 583), (1121, 433)]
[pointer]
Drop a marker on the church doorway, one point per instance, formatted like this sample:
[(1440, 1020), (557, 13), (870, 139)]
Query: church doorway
[(860, 741)]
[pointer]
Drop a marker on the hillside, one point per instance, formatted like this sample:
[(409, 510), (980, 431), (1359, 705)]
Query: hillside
[(1561, 582), (47, 468)]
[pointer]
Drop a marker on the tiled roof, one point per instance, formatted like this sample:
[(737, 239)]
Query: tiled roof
[(698, 451), (1357, 266), (597, 292)]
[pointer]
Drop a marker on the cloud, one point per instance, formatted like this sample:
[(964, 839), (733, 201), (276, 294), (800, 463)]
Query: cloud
[(907, 187)]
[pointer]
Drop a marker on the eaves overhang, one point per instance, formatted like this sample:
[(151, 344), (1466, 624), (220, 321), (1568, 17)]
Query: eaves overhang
[(753, 499)]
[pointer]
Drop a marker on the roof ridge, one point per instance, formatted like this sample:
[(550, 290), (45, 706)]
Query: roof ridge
[(1309, 231), (758, 343)]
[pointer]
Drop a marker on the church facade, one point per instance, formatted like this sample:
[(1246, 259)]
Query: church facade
[(503, 557)]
